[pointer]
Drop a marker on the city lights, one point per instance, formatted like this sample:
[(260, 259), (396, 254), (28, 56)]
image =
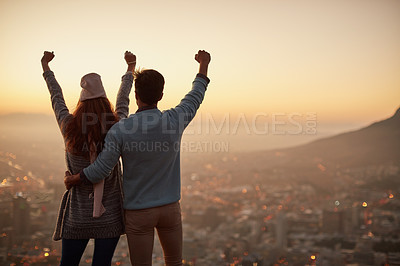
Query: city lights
[(365, 204), (321, 167)]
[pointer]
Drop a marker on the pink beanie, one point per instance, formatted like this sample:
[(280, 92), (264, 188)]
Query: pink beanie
[(92, 87)]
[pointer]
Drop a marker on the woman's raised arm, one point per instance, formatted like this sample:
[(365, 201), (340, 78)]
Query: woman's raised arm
[(122, 104), (57, 99)]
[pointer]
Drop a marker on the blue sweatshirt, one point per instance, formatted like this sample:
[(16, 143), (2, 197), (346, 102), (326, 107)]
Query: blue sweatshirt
[(149, 144)]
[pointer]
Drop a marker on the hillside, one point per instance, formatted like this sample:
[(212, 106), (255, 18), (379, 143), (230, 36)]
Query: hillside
[(375, 144)]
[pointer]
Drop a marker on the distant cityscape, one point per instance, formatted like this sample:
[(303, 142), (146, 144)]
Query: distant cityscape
[(229, 224)]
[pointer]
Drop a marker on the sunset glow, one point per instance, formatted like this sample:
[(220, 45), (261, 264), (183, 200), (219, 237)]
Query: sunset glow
[(339, 59)]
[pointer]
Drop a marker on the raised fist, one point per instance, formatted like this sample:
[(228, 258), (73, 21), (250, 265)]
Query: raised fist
[(47, 57), (202, 57), (130, 58)]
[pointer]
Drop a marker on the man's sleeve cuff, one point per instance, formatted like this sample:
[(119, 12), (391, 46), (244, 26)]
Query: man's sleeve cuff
[(83, 177), (199, 75)]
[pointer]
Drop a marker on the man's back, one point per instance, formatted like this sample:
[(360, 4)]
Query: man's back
[(150, 156)]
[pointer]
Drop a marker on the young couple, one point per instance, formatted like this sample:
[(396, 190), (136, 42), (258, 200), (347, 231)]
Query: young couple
[(102, 202)]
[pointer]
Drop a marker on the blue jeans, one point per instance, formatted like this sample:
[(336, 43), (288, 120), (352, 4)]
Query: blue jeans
[(72, 251)]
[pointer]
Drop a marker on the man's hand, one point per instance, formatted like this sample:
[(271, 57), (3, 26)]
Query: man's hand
[(130, 60), (71, 180), (204, 59)]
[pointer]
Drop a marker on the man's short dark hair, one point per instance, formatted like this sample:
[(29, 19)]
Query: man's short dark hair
[(149, 85)]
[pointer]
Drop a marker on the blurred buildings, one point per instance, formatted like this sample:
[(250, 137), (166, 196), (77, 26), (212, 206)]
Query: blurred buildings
[(276, 217)]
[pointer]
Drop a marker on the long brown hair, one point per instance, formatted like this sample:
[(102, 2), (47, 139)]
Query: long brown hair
[(90, 122)]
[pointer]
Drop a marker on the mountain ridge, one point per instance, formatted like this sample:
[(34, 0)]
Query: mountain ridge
[(376, 143)]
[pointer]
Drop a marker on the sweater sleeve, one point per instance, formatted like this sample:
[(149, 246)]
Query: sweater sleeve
[(107, 159), (57, 99), (122, 104), (185, 111)]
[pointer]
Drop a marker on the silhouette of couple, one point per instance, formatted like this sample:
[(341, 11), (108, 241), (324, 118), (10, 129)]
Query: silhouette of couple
[(102, 201)]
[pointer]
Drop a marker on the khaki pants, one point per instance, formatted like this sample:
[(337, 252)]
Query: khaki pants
[(140, 226)]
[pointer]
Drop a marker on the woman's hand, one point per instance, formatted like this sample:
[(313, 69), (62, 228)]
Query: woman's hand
[(130, 60), (47, 57)]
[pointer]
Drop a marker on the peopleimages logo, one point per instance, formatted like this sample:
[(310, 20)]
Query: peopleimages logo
[(204, 125), (256, 124)]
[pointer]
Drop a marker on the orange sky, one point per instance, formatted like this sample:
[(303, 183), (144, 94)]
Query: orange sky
[(338, 58)]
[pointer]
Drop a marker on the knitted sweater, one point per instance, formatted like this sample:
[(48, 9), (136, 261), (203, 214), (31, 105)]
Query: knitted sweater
[(75, 219)]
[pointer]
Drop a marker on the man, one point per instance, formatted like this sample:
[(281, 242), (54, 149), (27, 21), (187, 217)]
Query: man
[(149, 144)]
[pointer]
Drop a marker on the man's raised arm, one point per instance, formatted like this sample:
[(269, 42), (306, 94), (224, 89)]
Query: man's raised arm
[(185, 111)]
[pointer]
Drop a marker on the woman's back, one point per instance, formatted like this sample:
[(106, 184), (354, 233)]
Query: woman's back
[(75, 219)]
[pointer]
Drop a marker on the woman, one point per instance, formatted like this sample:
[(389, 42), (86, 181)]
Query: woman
[(89, 211)]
